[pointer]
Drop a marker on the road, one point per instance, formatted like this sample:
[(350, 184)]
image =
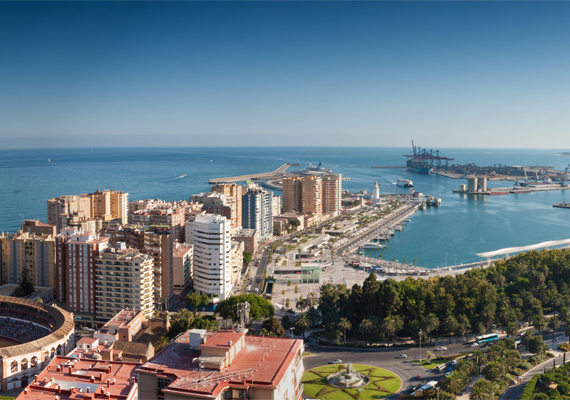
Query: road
[(263, 260), (384, 358)]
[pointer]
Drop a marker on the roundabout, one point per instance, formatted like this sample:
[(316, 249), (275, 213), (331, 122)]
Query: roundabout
[(350, 382)]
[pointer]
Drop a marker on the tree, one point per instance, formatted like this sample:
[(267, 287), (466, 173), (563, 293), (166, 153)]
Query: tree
[(431, 323), (302, 323), (567, 331), (161, 343), (553, 323), (539, 323), (272, 325), (314, 316), (512, 329), (259, 308), (366, 328), (26, 286), (195, 300), (345, 325), (247, 256), (483, 390), (286, 322)]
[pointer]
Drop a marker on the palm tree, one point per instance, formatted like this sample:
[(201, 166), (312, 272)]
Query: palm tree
[(539, 323), (553, 323), (512, 329), (302, 323), (431, 323), (344, 324), (184, 316), (563, 314), (366, 328), (161, 343), (567, 331), (314, 315)]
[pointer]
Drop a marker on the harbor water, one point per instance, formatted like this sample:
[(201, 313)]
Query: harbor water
[(451, 234)]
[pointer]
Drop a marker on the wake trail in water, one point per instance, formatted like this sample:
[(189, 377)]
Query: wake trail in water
[(175, 179)]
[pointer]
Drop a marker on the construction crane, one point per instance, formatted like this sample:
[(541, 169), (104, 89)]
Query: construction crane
[(433, 157)]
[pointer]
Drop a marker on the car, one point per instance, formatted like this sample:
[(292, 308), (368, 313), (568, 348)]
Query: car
[(474, 344), (454, 362), (442, 348), (337, 361), (419, 377), (448, 373), (402, 356)]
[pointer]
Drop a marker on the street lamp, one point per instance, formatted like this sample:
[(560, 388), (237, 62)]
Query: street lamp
[(420, 346), (291, 330)]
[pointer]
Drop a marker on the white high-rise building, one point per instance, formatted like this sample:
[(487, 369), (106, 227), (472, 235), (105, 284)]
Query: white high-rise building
[(212, 255)]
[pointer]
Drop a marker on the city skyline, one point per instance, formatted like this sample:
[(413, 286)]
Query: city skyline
[(452, 74)]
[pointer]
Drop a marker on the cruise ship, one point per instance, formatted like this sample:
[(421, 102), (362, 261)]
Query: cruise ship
[(406, 183)]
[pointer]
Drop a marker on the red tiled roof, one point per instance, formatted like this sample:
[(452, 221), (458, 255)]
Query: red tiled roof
[(87, 340)]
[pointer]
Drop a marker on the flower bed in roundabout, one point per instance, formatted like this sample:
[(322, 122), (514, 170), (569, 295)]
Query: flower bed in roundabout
[(382, 383)]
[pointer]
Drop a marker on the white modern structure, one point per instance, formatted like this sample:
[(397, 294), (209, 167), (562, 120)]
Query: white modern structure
[(212, 258), (513, 250)]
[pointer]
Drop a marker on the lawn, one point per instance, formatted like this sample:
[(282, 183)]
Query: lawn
[(382, 383)]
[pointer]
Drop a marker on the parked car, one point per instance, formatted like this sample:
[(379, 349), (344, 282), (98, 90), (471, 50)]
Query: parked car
[(402, 356), (337, 361), (454, 362), (474, 344), (442, 348)]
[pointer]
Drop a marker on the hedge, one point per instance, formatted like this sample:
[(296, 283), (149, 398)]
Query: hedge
[(529, 388)]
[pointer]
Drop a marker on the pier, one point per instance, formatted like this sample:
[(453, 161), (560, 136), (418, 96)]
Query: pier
[(278, 173)]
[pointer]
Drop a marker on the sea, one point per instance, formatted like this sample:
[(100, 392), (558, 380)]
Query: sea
[(436, 237)]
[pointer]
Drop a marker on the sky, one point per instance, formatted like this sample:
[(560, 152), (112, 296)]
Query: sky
[(444, 74)]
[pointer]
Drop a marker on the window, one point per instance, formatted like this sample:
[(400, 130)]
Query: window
[(14, 366)]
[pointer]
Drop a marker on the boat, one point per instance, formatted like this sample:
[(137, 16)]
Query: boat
[(419, 167), (433, 201), (373, 245), (405, 183)]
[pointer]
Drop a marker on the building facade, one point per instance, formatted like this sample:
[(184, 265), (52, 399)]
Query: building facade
[(332, 193), (212, 259), (124, 279), (31, 251), (235, 191), (182, 267), (76, 257), (257, 212)]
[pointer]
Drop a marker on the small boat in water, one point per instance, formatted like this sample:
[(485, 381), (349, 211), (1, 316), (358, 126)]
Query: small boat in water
[(405, 183), (373, 245)]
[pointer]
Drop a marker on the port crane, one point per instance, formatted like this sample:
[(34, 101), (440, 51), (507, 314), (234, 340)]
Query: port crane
[(434, 157)]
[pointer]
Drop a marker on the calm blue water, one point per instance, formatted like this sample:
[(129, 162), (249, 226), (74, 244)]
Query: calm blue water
[(461, 227)]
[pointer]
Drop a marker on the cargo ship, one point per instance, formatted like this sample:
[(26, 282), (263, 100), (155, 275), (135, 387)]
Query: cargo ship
[(419, 167), (423, 161)]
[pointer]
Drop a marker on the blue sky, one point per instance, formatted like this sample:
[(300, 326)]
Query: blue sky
[(446, 74)]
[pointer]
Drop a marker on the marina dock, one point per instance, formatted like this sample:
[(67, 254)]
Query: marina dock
[(277, 174)]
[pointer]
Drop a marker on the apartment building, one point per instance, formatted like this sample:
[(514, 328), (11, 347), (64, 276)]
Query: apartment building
[(332, 194), (182, 267), (124, 279), (212, 258), (104, 205), (235, 191), (76, 257), (27, 250), (257, 212)]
